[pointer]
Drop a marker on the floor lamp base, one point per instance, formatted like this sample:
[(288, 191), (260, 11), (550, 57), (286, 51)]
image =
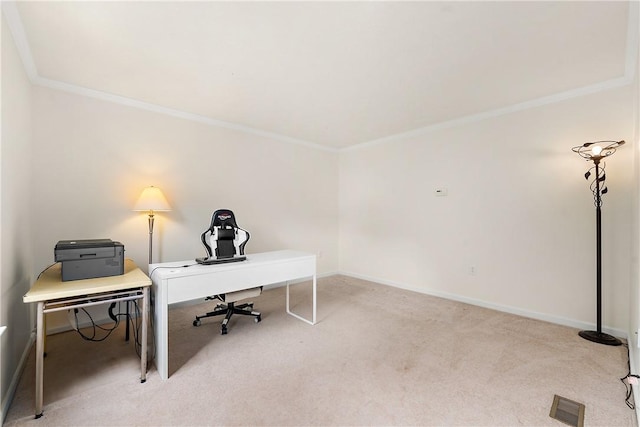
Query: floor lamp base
[(600, 337)]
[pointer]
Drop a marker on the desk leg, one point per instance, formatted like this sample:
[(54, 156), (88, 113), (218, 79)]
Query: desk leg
[(313, 318), (161, 325), (314, 299), (39, 358), (145, 323)]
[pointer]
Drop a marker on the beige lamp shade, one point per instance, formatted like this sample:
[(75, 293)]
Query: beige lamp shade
[(152, 199)]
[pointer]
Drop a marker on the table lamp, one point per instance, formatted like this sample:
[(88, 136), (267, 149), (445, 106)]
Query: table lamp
[(151, 200)]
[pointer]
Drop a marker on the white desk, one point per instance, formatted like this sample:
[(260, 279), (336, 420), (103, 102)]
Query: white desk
[(52, 294), (181, 281)]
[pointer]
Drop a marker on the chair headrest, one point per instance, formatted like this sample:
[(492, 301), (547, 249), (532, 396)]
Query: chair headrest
[(223, 218)]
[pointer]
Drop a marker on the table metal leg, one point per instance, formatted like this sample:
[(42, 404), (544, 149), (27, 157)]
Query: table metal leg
[(314, 299), (143, 344), (39, 358), (313, 318)]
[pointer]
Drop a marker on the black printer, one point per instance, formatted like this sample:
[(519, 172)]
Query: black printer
[(87, 259)]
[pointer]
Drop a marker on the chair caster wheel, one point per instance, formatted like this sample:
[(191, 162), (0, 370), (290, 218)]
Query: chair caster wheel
[(196, 322), (257, 319)]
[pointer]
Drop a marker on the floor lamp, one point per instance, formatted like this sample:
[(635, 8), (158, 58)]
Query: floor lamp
[(596, 152), (151, 200)]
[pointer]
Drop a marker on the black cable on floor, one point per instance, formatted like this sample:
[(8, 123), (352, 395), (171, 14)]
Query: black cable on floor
[(631, 380)]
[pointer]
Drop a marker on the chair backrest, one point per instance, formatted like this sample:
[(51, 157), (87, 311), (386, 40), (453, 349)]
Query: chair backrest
[(229, 239)]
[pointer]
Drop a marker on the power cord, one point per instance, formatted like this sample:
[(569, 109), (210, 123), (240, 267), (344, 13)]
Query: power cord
[(631, 380), (40, 274), (94, 327), (175, 266), (136, 324)]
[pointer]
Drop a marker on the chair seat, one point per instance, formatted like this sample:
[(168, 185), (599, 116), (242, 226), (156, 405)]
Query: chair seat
[(228, 307), (243, 294)]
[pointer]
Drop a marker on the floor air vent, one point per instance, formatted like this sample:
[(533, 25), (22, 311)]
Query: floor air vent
[(567, 411)]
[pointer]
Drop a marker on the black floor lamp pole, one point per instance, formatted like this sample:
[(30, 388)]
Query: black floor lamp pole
[(597, 335), (598, 260), (596, 151)]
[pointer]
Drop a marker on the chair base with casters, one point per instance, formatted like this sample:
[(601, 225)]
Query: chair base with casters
[(229, 308)]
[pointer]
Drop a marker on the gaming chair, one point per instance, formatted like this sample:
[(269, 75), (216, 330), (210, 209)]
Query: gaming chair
[(227, 242)]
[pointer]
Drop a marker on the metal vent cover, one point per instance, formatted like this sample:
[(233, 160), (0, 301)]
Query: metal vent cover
[(567, 411)]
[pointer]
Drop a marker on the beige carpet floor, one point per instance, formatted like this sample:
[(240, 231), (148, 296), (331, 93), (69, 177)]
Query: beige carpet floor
[(378, 356)]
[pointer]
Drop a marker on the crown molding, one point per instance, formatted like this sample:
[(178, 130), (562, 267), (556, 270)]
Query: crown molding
[(12, 18), (575, 93), (130, 102), (14, 21)]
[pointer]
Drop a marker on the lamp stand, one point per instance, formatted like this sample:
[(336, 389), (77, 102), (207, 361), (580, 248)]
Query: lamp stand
[(598, 336), (151, 237)]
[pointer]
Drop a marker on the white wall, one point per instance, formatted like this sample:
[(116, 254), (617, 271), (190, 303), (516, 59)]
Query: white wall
[(93, 158), (15, 249), (518, 211)]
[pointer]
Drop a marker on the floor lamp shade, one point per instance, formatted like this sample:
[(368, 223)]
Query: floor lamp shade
[(151, 200)]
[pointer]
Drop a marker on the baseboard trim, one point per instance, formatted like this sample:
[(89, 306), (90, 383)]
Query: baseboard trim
[(486, 304), (13, 386)]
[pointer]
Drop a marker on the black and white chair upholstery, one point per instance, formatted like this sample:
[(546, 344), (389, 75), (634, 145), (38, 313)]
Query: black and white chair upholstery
[(225, 242)]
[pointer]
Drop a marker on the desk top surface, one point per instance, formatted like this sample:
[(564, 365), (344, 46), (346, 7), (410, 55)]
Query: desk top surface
[(50, 286), (191, 267)]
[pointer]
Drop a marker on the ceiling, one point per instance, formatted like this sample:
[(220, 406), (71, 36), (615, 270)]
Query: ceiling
[(334, 74)]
